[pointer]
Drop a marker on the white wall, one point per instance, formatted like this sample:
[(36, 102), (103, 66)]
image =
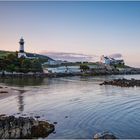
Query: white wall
[(63, 69)]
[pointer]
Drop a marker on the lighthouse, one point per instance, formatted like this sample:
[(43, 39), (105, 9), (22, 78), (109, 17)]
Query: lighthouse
[(21, 43), (21, 52)]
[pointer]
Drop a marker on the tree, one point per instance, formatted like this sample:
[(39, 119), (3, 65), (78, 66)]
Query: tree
[(11, 57), (84, 67), (12, 63), (11, 68), (26, 65), (36, 66)]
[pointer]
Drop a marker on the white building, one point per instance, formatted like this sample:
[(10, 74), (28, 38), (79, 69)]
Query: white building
[(110, 61), (105, 60), (21, 52), (63, 69), (54, 62)]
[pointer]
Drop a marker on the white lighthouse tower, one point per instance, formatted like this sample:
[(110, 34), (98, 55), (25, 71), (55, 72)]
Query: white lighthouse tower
[(21, 52)]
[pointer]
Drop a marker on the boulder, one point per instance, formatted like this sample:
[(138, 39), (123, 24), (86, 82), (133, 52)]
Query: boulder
[(16, 128), (104, 135), (122, 82)]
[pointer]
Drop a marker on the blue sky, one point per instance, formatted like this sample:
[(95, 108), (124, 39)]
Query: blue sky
[(90, 28)]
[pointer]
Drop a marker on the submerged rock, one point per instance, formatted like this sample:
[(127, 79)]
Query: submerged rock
[(3, 91), (104, 135), (12, 127), (122, 82), (54, 122)]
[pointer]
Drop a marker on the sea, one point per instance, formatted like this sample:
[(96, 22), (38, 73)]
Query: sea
[(78, 106)]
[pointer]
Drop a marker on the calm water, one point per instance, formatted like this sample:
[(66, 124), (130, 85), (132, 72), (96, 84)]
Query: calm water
[(79, 105)]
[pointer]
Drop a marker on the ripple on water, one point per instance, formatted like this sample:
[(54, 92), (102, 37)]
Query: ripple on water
[(90, 108)]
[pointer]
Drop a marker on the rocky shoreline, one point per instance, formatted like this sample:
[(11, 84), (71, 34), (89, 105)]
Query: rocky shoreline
[(122, 82), (92, 72), (23, 127)]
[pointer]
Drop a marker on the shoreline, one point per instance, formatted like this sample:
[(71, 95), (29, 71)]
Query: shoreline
[(57, 75), (90, 72), (97, 136), (6, 91)]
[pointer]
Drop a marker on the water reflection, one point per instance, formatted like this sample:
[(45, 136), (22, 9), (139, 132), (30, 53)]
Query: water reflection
[(21, 82), (21, 103), (21, 100), (89, 108)]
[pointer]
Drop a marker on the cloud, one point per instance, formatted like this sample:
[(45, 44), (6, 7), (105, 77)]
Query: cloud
[(115, 55), (71, 57)]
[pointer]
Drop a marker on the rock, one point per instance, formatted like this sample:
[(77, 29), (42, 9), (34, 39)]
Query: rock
[(2, 115), (104, 135), (6, 134), (3, 91), (54, 122), (17, 134), (23, 114), (122, 82), (37, 117), (24, 132), (42, 129), (13, 132), (15, 128), (1, 132)]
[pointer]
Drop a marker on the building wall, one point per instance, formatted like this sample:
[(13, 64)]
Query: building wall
[(64, 69), (21, 55)]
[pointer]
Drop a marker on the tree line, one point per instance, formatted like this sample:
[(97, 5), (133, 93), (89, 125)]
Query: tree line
[(11, 63)]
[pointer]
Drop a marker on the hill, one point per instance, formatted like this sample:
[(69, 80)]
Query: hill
[(9, 62), (5, 53), (42, 58)]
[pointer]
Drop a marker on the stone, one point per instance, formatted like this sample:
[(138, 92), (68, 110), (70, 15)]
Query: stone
[(24, 132), (3, 91), (6, 134), (37, 117), (42, 129), (54, 122), (1, 132), (13, 132), (15, 128), (122, 82), (17, 134), (104, 135)]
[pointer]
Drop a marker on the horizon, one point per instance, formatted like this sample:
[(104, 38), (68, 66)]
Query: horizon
[(88, 28)]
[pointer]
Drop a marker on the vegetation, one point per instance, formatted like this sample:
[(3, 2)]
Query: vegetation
[(11, 63), (121, 66), (42, 58), (5, 53), (84, 67)]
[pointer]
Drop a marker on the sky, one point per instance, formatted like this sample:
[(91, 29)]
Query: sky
[(89, 29)]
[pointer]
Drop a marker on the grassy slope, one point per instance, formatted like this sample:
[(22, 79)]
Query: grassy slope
[(5, 53)]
